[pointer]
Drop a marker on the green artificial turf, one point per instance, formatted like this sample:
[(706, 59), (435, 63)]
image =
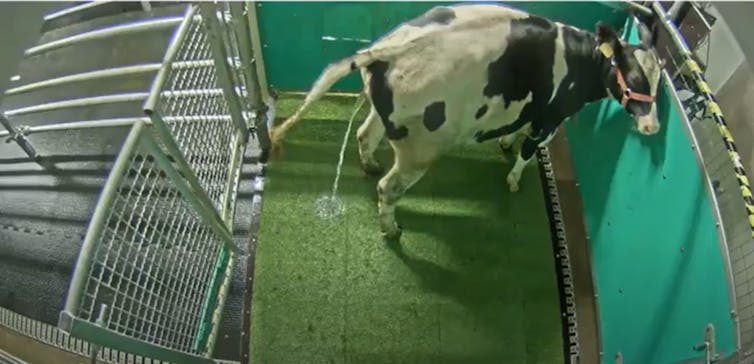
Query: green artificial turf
[(472, 280)]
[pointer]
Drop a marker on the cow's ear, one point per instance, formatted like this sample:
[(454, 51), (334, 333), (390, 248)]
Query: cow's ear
[(608, 41)]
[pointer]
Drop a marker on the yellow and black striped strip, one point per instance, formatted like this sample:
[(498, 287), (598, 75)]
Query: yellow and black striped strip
[(714, 109)]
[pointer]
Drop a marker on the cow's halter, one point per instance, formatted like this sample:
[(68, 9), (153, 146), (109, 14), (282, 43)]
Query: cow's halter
[(626, 93)]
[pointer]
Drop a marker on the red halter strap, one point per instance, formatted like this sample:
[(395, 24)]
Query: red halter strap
[(626, 93)]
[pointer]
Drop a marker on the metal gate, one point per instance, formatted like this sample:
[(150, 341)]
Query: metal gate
[(155, 265)]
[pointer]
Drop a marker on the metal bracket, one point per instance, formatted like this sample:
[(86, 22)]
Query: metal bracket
[(710, 354), (19, 136)]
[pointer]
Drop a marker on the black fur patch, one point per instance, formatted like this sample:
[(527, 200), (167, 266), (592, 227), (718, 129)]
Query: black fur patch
[(479, 113), (437, 15), (527, 63), (434, 116), (530, 58), (525, 67), (382, 99)]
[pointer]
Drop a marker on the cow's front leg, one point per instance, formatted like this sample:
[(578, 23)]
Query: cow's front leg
[(389, 190), (528, 148), (369, 135)]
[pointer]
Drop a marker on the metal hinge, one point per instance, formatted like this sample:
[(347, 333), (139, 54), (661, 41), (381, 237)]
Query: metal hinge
[(710, 354)]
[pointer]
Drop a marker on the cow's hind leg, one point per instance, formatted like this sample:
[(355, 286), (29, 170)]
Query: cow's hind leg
[(528, 148), (413, 158), (369, 135), (389, 190)]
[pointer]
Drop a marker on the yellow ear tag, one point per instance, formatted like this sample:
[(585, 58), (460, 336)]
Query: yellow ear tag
[(606, 49)]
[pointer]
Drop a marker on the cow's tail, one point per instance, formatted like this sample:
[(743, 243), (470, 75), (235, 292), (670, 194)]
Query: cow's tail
[(332, 74)]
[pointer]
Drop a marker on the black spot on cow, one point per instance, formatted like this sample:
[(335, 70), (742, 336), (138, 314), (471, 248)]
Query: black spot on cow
[(479, 113), (434, 116), (437, 15), (382, 99), (526, 65)]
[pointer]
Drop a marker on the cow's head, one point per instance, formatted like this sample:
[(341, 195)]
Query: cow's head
[(634, 75)]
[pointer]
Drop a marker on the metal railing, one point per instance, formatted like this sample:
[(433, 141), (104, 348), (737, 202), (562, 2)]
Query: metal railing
[(155, 267), (728, 184)]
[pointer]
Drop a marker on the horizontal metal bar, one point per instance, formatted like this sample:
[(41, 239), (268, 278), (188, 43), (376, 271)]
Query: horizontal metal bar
[(111, 123), (73, 9), (143, 26), (110, 72), (190, 93), (99, 335), (84, 101), (86, 76)]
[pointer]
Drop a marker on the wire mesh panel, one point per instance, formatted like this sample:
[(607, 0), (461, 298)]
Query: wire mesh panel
[(155, 267), (153, 261), (189, 104)]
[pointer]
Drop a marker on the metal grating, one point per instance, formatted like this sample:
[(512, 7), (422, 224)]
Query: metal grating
[(156, 262), (194, 109), (154, 271)]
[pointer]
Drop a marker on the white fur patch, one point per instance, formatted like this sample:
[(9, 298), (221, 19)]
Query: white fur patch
[(650, 66)]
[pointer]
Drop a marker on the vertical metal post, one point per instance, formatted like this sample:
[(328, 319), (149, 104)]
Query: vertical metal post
[(19, 138), (249, 60), (210, 21)]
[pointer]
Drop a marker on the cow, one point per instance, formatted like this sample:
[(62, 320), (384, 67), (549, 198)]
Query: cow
[(471, 73)]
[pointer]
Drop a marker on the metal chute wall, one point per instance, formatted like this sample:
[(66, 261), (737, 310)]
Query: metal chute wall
[(653, 236)]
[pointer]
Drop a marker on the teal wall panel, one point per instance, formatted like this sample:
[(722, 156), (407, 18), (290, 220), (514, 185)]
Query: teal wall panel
[(658, 270), (301, 38)]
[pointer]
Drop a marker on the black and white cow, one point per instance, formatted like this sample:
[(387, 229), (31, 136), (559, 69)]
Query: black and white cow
[(472, 73)]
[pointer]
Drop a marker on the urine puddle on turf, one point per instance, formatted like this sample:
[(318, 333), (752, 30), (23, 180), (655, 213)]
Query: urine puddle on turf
[(329, 206)]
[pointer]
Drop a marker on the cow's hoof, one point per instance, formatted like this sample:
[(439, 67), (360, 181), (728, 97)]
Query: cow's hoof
[(393, 235), (512, 183), (372, 169)]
